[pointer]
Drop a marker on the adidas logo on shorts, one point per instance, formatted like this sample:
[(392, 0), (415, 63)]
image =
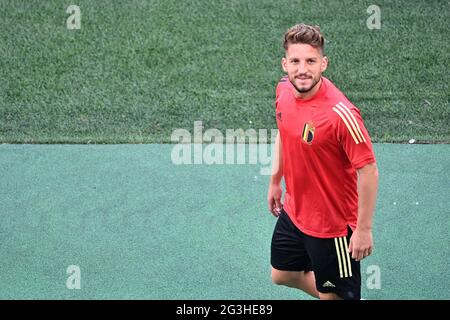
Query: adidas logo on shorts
[(328, 284)]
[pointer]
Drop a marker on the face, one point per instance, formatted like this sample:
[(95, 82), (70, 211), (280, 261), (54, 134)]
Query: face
[(304, 65)]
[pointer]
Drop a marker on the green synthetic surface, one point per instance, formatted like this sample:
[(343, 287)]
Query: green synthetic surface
[(140, 227), (136, 70)]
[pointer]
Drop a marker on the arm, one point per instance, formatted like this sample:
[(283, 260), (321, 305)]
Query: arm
[(275, 192), (361, 242)]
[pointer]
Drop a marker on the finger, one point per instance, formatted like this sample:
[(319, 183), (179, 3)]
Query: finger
[(278, 204), (350, 246), (278, 207), (356, 254), (272, 209), (361, 255), (275, 212), (270, 203)]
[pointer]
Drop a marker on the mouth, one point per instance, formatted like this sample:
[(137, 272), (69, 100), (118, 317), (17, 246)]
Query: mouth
[(303, 78)]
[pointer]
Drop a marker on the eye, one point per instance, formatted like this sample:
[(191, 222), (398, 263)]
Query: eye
[(311, 61)]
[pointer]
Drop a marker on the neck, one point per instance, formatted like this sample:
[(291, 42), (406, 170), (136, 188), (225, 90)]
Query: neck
[(310, 93)]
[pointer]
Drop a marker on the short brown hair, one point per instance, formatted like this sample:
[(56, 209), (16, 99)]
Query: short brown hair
[(303, 33)]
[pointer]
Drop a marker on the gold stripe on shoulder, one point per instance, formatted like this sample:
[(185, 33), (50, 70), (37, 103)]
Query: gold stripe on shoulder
[(346, 123), (350, 120), (354, 119)]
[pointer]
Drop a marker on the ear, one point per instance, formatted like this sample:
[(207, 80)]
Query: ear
[(283, 64), (324, 64)]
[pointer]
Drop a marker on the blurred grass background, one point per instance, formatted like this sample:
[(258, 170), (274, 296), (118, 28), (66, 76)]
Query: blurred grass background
[(137, 70)]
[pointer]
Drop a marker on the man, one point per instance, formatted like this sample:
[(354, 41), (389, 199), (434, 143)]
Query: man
[(325, 155)]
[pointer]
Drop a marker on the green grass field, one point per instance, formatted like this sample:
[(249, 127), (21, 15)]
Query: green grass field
[(136, 70)]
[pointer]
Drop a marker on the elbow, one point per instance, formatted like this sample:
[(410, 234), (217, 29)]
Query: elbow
[(375, 171), (369, 170)]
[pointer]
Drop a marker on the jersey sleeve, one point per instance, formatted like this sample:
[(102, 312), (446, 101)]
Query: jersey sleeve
[(352, 135)]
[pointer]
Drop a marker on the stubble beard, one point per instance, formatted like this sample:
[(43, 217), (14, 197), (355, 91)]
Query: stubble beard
[(305, 90)]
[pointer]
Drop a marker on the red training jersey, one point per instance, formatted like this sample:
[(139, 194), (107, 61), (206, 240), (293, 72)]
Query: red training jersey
[(323, 141)]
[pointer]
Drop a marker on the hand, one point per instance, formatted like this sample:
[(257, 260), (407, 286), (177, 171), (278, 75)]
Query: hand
[(361, 244), (274, 198)]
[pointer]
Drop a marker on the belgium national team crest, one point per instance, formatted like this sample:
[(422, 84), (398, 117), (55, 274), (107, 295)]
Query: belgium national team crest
[(308, 132)]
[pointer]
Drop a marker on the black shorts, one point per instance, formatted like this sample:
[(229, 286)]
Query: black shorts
[(334, 269)]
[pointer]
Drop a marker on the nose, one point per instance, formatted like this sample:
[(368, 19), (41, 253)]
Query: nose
[(302, 68)]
